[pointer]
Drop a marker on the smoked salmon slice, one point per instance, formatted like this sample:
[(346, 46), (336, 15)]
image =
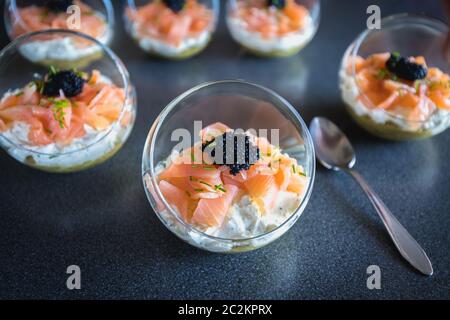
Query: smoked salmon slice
[(176, 197), (212, 212), (263, 190), (37, 18), (158, 21)]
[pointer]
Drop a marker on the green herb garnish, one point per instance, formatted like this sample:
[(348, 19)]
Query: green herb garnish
[(382, 73), (53, 70), (220, 187), (205, 183), (58, 110)]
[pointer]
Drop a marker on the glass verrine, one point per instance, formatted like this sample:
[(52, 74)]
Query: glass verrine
[(382, 101), (174, 31), (64, 120), (273, 29), (241, 105), (94, 18)]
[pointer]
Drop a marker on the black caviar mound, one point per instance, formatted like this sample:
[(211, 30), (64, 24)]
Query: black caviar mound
[(67, 81), (58, 5), (279, 4), (238, 152), (405, 69), (175, 5)]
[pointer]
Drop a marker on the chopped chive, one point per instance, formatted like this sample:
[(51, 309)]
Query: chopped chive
[(18, 94), (417, 85), (302, 173), (382, 73), (293, 169), (198, 190), (396, 54), (209, 168), (220, 187), (192, 156), (53, 70), (205, 183)]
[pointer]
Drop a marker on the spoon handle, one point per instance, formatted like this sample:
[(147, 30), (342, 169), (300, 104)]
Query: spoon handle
[(405, 243)]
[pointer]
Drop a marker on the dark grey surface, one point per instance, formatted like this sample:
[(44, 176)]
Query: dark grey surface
[(100, 219)]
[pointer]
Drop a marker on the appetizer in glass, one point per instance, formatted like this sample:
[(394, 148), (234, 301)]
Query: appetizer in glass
[(94, 18), (273, 28), (231, 189), (64, 120), (173, 29), (398, 89)]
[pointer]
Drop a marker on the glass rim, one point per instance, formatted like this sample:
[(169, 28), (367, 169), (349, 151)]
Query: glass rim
[(110, 19), (128, 88), (419, 19), (159, 124)]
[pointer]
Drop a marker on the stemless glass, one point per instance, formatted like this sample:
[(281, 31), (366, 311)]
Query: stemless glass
[(16, 72), (241, 105), (411, 35), (260, 40), (167, 37), (94, 18)]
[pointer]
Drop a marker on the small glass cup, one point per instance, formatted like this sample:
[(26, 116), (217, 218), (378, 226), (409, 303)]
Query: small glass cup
[(84, 152), (94, 18), (238, 104), (269, 38), (168, 34), (412, 35)]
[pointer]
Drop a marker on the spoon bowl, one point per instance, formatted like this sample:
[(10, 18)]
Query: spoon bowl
[(333, 149)]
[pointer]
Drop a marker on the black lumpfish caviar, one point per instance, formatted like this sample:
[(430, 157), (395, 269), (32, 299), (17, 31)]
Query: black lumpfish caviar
[(279, 4), (238, 152), (67, 81), (58, 5), (175, 5), (405, 69)]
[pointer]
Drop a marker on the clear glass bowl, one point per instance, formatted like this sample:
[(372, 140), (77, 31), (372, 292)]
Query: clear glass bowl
[(273, 45), (96, 19), (409, 35), (165, 41), (16, 72), (237, 104)]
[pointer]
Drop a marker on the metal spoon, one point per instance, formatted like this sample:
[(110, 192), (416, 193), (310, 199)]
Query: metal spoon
[(335, 152)]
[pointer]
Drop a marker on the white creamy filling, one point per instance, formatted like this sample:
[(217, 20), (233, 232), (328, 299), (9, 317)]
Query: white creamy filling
[(350, 93), (243, 220), (167, 49), (92, 146), (254, 40), (61, 49)]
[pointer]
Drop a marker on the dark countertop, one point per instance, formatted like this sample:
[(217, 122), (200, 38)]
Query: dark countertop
[(101, 220)]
